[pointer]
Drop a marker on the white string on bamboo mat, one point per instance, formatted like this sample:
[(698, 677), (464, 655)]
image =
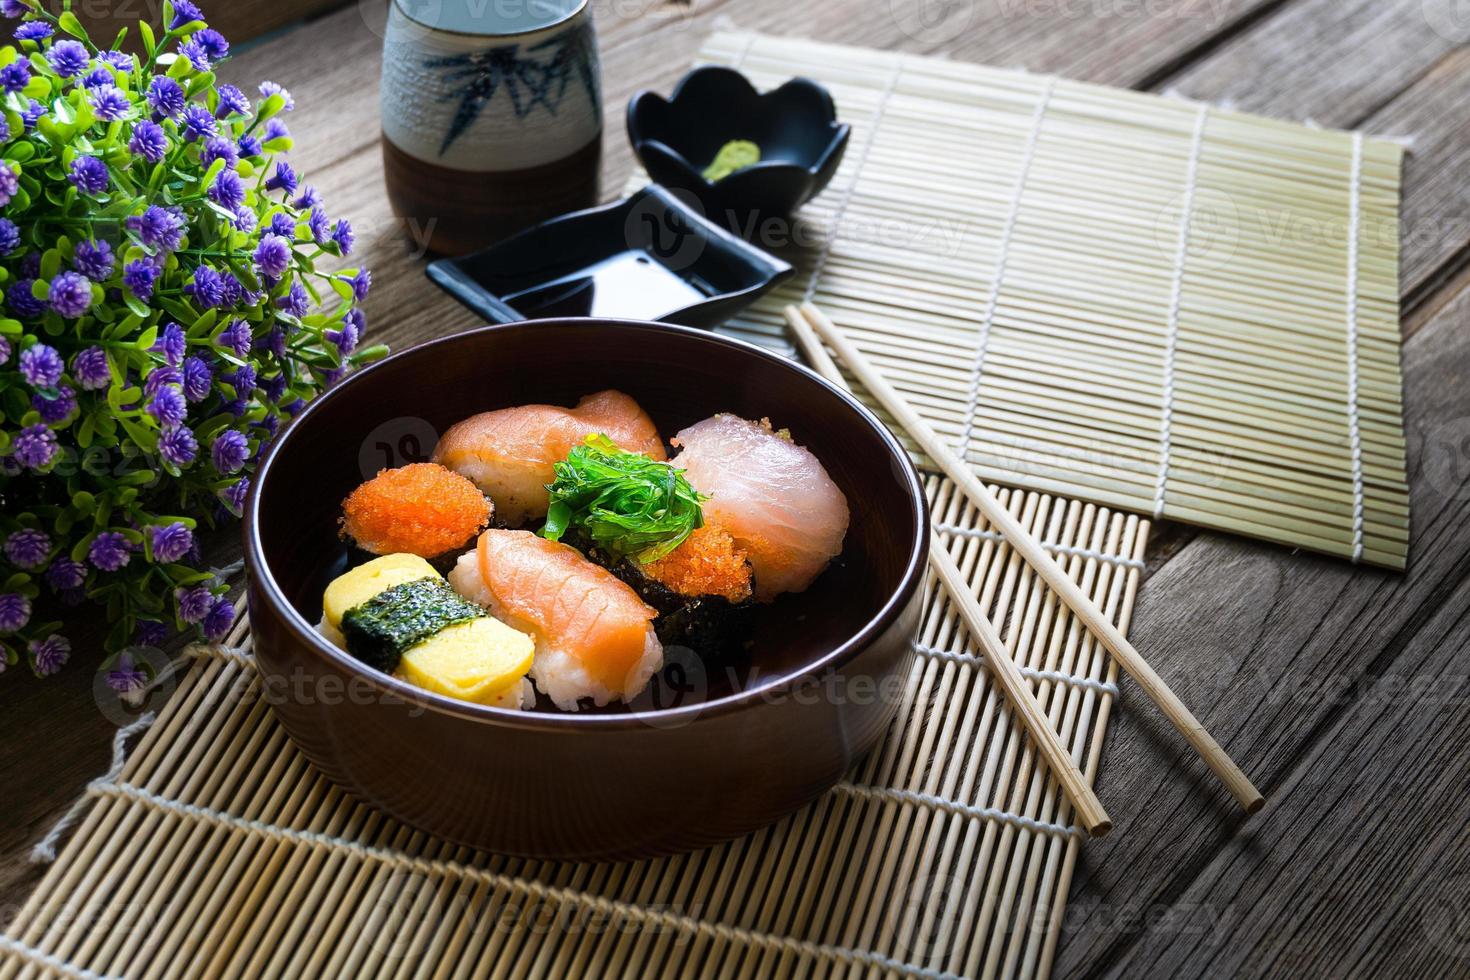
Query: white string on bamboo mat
[(1054, 676), (1176, 302), (825, 252), (1060, 549), (39, 957), (434, 867), (1003, 251), (45, 850), (891, 795), (1355, 437)]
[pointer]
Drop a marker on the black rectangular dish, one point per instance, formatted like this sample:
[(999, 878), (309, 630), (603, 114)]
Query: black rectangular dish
[(650, 256)]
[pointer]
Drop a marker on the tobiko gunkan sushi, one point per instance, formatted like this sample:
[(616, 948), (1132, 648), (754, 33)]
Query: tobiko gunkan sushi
[(603, 552)]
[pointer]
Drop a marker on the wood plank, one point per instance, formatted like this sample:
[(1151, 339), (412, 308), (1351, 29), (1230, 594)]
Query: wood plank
[(239, 21), (1278, 651)]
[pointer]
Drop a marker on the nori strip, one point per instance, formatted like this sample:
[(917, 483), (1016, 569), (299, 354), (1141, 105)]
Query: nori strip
[(379, 630)]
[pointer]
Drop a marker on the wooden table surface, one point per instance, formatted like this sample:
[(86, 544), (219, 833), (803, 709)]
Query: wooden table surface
[(1344, 691)]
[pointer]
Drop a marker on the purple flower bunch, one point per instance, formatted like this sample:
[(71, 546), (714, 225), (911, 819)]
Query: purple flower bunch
[(170, 294)]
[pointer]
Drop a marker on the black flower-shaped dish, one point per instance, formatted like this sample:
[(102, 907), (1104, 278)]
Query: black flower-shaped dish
[(649, 256), (801, 142)]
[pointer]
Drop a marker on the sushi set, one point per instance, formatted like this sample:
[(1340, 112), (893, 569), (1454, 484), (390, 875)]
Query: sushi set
[(664, 552)]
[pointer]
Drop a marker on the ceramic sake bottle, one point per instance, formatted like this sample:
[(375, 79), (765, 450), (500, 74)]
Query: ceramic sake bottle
[(492, 116)]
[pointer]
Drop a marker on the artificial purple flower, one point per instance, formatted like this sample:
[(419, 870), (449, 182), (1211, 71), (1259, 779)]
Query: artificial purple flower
[(4, 130), (15, 612), (219, 620), (274, 387), (4, 350), (331, 376), (185, 12), (294, 407), (109, 551), (233, 496), (149, 141), (250, 145), (57, 408), (64, 575), (275, 129), (125, 677), (342, 235), (139, 276), (9, 236), (197, 124), (109, 103), (70, 294), (9, 182), (15, 76), (207, 287), (245, 219), (232, 102), (361, 281), (171, 343), (178, 445), (31, 113), (28, 548), (228, 190), (13, 9), (283, 180), (230, 451), (168, 406), (93, 259), (50, 655), (162, 376), (318, 222), (219, 148), (165, 97), (345, 339), (89, 368), (267, 89), (97, 77), (68, 58), (205, 48), (120, 60), (269, 425), (242, 380), (34, 30), (41, 366), (30, 266), (272, 256), (89, 175), (274, 341), (151, 633), (22, 301), (35, 447), (194, 603), (308, 198), (170, 542), (236, 336), (284, 225), (158, 227), (198, 379), (295, 301)]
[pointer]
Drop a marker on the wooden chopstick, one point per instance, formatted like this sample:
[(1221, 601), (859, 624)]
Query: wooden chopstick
[(1031, 550), (1088, 808)]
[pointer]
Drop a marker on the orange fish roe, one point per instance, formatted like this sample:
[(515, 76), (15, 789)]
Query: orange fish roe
[(422, 509), (707, 563)]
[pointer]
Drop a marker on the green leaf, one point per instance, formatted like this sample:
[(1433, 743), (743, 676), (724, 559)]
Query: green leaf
[(10, 328), (68, 22), (150, 44), (20, 151), (147, 338)]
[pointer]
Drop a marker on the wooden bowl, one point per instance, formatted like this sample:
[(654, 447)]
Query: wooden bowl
[(711, 751)]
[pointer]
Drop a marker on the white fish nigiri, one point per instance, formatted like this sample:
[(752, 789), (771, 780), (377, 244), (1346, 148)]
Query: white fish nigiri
[(774, 497)]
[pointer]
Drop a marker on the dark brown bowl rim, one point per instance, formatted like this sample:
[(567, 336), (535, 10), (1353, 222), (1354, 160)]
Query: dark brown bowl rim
[(913, 573)]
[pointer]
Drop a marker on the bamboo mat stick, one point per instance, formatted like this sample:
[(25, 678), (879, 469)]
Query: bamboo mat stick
[(1090, 812), (1098, 624)]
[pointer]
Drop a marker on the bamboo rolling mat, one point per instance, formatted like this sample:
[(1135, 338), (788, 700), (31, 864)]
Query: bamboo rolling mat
[(216, 850), (1140, 301)]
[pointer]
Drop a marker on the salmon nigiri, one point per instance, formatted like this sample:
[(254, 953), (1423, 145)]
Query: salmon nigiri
[(772, 496), (510, 453), (594, 636)]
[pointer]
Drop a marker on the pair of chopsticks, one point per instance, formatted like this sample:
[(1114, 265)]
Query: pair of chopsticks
[(811, 327)]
